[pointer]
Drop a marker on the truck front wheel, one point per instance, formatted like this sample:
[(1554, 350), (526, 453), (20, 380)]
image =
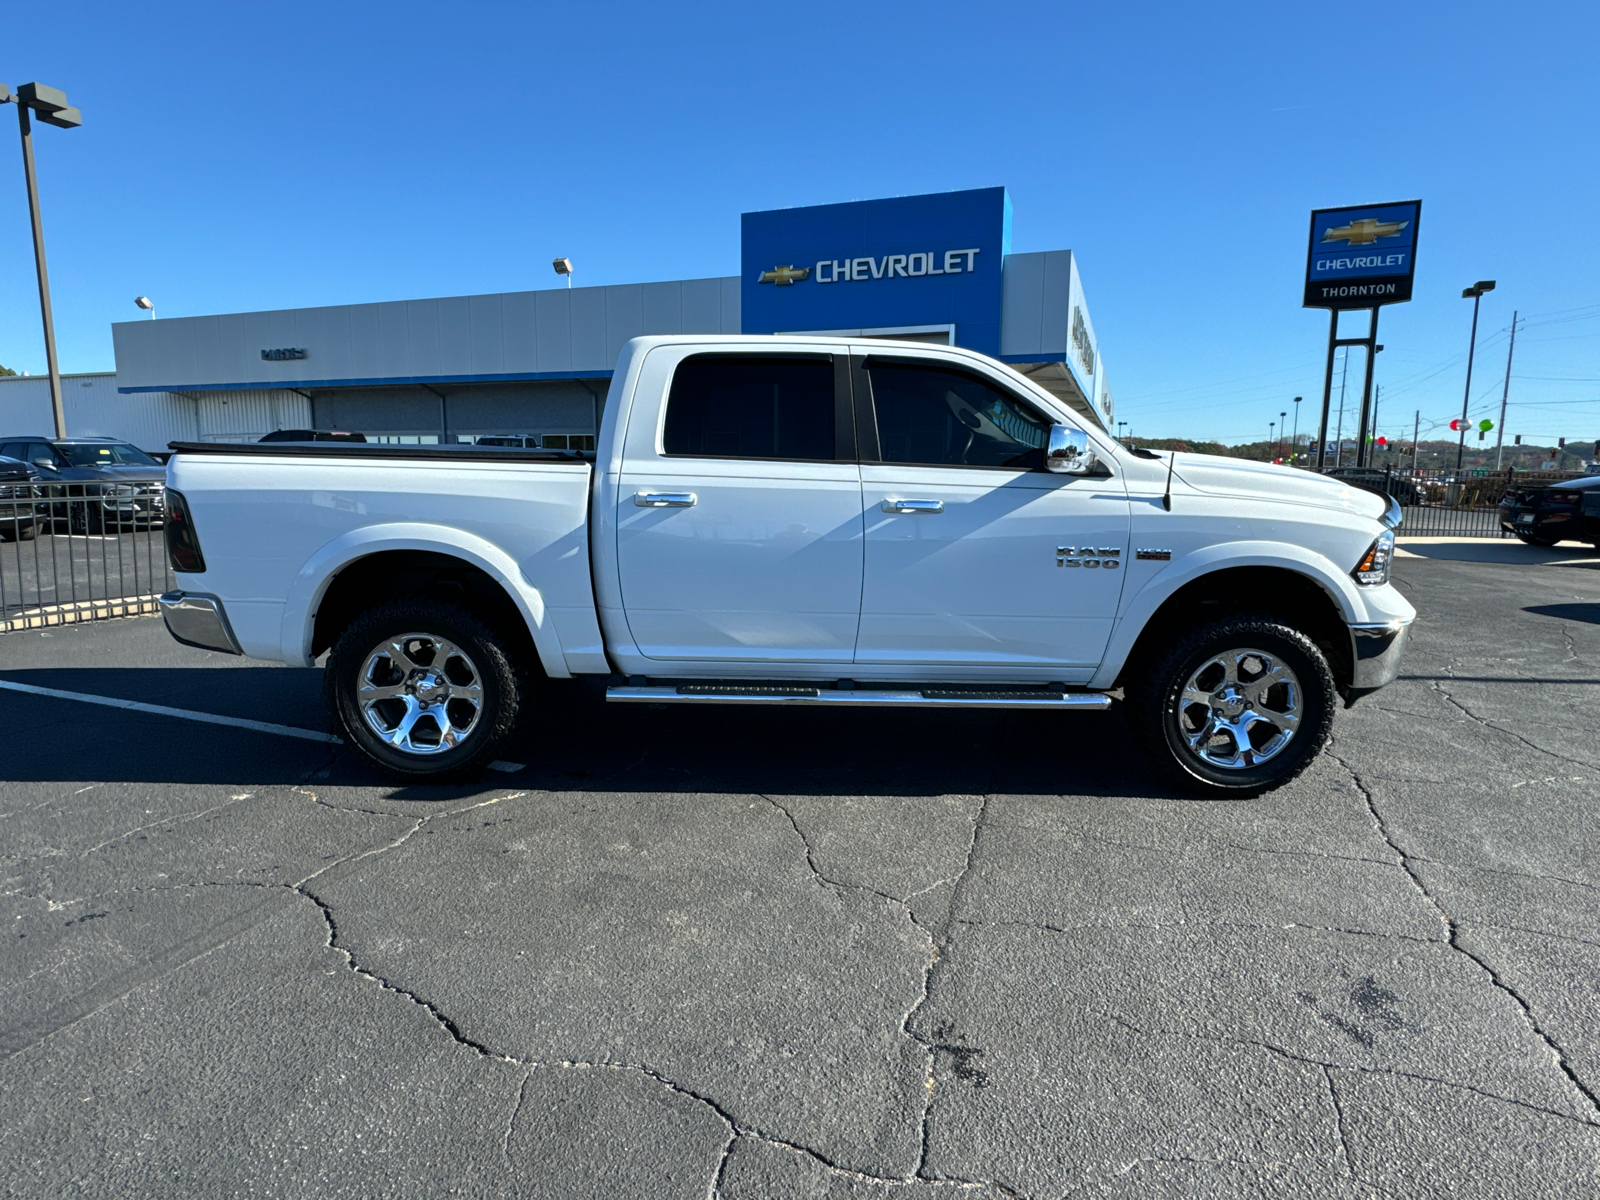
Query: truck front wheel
[(422, 689), (1237, 707)]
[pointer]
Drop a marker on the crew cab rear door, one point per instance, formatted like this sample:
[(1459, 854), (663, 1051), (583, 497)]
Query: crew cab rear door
[(739, 531), (975, 555)]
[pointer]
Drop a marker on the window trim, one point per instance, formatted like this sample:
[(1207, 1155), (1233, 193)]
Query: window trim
[(844, 443), (867, 411)]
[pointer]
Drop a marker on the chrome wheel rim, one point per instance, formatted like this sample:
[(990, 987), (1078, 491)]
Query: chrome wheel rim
[(420, 693), (1239, 709)]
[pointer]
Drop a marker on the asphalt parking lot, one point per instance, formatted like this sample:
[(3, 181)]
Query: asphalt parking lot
[(753, 953)]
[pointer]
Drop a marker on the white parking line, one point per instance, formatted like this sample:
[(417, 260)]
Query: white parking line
[(161, 710)]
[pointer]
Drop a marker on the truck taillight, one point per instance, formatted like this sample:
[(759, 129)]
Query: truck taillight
[(183, 544)]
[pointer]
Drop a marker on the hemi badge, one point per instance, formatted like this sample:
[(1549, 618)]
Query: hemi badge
[(1156, 555)]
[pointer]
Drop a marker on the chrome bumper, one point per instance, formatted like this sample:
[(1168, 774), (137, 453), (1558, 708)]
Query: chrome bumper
[(197, 620), (1375, 654)]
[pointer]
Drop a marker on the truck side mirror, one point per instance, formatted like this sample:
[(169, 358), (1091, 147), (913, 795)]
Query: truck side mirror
[(1068, 451)]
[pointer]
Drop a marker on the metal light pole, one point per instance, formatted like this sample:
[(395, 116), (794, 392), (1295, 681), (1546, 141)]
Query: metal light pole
[(1281, 424), (53, 109), (563, 267), (1271, 425), (1476, 291), (1505, 394), (147, 304), (1294, 442)]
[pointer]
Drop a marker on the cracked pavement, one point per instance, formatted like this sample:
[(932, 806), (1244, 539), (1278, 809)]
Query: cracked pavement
[(751, 953)]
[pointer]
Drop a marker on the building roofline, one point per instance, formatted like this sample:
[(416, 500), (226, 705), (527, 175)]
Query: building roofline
[(285, 385)]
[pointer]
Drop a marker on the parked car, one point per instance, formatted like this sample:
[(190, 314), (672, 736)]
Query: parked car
[(1380, 483), (313, 435), (93, 482), (19, 500), (1555, 512), (801, 520)]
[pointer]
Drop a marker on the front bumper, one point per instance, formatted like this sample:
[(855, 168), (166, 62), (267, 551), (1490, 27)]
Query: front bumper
[(198, 620), (1375, 654)]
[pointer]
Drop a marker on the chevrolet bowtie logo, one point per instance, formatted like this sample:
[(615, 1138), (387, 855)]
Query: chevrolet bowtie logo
[(784, 276), (1364, 232)]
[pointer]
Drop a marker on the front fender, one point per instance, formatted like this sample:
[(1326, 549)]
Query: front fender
[(311, 584), (1142, 605)]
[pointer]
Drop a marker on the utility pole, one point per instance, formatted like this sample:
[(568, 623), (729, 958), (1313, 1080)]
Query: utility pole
[(1505, 394), (1377, 395)]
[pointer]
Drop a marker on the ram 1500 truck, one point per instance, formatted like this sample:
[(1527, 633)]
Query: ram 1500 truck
[(799, 521)]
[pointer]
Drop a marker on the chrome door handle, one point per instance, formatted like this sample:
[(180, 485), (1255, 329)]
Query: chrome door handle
[(665, 499), (913, 506)]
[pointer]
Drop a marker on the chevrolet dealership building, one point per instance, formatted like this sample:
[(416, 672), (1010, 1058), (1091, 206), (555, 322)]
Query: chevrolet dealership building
[(536, 365)]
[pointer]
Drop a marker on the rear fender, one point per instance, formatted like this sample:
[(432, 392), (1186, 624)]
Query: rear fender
[(299, 614)]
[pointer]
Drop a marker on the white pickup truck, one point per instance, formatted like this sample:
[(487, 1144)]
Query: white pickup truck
[(799, 520)]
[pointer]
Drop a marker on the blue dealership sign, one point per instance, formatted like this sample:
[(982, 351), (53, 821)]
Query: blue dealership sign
[(1362, 257), (908, 262)]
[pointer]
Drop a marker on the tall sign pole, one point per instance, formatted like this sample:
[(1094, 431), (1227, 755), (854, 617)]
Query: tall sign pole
[(1359, 257)]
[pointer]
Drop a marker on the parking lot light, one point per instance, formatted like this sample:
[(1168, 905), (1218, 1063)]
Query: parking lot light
[(51, 105), (146, 303), (1475, 292)]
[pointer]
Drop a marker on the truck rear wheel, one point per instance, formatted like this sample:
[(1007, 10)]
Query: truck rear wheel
[(1237, 707), (422, 689)]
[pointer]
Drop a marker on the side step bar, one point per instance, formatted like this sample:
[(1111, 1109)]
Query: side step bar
[(704, 693)]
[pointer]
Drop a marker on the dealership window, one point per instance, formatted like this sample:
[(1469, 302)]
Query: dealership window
[(739, 406), (937, 417), (534, 441)]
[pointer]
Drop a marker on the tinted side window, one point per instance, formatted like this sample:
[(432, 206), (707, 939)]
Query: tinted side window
[(726, 406), (947, 418), (18, 450)]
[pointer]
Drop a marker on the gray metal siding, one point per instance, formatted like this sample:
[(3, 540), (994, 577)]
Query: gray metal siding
[(94, 408), (552, 331), (1036, 303)]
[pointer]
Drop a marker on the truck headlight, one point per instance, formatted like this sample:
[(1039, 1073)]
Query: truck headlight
[(1373, 569)]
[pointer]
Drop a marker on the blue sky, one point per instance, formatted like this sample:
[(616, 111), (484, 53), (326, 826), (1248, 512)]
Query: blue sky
[(237, 157)]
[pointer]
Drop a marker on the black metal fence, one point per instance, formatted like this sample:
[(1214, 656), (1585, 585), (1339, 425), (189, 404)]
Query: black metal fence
[(1450, 503), (94, 552)]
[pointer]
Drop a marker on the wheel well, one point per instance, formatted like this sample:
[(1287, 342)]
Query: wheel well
[(418, 574), (1288, 596)]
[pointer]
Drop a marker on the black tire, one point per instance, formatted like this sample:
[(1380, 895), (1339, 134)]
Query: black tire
[(26, 533), (479, 656), (83, 517), (1159, 719), (1536, 539)]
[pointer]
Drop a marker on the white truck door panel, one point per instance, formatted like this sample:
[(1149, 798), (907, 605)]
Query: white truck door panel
[(978, 583), (766, 563), (975, 555), (738, 512)]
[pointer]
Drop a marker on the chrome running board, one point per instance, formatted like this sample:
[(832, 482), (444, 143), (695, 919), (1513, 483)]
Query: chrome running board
[(944, 697)]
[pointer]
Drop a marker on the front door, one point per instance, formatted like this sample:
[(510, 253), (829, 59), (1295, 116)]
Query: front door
[(975, 555), (739, 526)]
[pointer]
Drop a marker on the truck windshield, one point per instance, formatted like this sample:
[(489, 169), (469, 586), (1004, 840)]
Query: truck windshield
[(106, 454)]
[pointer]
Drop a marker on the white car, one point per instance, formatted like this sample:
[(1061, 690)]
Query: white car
[(799, 521)]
